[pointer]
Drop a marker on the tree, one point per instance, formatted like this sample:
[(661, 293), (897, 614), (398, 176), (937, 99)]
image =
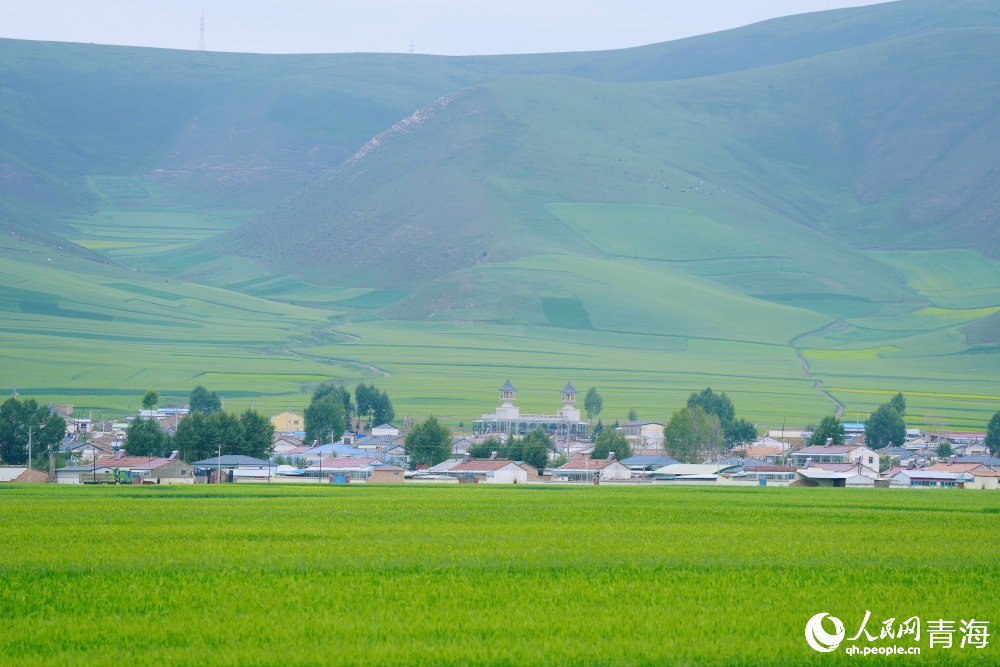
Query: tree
[(483, 449), (885, 426), (258, 432), (593, 403), (225, 434), (341, 394), (737, 431), (829, 427), (611, 441), (204, 401), (16, 418), (325, 420), (533, 449), (632, 416), (144, 437), (740, 432), (899, 403), (428, 443), (691, 433), (150, 399), (598, 429), (199, 437), (944, 450), (189, 439), (373, 404), (992, 441), (713, 404)]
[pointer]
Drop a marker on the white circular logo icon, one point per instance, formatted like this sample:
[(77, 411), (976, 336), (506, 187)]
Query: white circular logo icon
[(819, 639)]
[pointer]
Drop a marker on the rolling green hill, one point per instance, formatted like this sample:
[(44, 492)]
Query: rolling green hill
[(802, 204)]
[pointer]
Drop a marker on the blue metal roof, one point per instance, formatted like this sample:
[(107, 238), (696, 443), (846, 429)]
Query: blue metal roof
[(568, 389), (507, 386)]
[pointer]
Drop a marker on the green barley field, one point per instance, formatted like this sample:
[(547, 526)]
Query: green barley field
[(480, 575)]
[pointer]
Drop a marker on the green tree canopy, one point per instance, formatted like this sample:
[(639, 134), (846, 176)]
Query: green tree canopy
[(829, 427), (885, 427), (325, 420), (533, 449), (373, 404), (16, 417), (338, 391), (482, 450), (593, 403), (428, 443), (204, 401), (598, 429), (144, 437), (258, 432), (691, 434), (632, 416), (150, 399), (611, 441), (190, 438), (944, 450), (740, 432), (992, 441), (899, 403), (737, 431), (199, 437), (713, 404)]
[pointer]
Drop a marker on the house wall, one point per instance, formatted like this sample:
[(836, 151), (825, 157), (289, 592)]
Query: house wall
[(174, 472), (387, 477), (511, 474), (983, 483), (616, 471), (67, 477)]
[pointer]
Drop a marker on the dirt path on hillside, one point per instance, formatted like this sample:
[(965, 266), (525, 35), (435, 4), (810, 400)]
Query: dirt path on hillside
[(328, 360), (818, 386)]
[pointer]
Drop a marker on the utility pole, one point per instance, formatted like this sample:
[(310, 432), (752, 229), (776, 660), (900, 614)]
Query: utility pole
[(201, 42), (411, 46), (218, 466), (29, 453)]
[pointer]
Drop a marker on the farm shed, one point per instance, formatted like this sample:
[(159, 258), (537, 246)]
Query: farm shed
[(387, 475)]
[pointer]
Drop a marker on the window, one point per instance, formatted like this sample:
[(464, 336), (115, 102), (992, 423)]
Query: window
[(871, 459), (184, 473)]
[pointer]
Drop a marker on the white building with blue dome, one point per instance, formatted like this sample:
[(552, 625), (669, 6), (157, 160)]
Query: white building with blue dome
[(508, 419)]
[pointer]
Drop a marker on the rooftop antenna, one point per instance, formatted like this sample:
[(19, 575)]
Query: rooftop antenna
[(411, 45), (201, 42)]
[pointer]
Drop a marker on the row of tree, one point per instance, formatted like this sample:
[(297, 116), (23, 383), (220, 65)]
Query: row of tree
[(331, 409), (201, 435)]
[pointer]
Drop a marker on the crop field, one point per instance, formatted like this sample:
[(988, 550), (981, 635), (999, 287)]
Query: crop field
[(468, 575)]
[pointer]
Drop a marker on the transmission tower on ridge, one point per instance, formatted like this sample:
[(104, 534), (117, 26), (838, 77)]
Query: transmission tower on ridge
[(411, 46), (201, 42)]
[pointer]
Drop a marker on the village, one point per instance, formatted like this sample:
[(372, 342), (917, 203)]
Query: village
[(96, 454)]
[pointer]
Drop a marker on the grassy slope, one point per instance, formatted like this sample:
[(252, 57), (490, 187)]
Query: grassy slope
[(477, 575), (98, 336), (527, 166)]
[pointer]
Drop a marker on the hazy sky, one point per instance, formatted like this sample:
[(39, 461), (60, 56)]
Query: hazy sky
[(452, 27)]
